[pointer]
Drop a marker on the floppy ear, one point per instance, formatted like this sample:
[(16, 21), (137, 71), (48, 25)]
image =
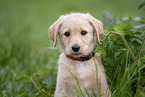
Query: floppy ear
[(98, 27), (53, 31)]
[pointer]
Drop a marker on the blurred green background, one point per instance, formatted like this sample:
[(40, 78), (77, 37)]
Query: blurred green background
[(24, 37)]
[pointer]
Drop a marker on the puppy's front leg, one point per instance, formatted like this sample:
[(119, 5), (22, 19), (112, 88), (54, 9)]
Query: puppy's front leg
[(60, 88), (64, 87)]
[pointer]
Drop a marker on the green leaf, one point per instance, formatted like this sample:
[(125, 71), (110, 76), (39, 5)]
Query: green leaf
[(28, 88), (108, 20), (122, 27), (140, 27), (49, 80), (137, 40), (141, 4), (98, 53), (19, 88), (117, 53), (103, 52)]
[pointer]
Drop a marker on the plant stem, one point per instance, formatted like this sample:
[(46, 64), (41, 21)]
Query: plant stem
[(126, 44), (35, 84), (142, 45)]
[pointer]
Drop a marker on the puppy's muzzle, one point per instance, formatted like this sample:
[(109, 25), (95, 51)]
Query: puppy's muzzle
[(75, 48)]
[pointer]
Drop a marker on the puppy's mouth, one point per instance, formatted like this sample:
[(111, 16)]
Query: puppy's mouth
[(77, 54)]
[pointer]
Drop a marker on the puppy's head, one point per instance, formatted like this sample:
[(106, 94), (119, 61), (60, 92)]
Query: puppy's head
[(78, 33)]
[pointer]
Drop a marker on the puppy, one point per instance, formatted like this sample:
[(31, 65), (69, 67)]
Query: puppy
[(80, 72)]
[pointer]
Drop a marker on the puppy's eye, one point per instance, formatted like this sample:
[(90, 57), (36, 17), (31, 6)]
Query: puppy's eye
[(83, 32), (67, 34)]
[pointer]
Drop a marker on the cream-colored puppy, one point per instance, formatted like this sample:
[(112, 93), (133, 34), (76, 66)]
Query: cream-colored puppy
[(78, 69)]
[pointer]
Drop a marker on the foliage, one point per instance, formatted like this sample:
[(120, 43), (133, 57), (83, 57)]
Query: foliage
[(141, 4), (37, 85), (123, 55)]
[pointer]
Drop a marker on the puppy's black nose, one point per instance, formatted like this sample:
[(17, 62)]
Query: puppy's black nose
[(75, 48)]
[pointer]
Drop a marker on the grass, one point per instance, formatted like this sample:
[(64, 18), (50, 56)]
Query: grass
[(27, 66)]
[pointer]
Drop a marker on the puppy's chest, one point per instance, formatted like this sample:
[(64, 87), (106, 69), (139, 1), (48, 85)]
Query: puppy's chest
[(83, 71)]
